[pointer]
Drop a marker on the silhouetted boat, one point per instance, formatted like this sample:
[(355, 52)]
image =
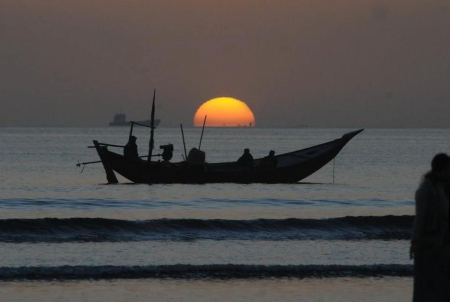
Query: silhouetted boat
[(290, 167), (120, 119)]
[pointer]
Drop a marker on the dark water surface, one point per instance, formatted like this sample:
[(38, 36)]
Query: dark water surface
[(344, 228)]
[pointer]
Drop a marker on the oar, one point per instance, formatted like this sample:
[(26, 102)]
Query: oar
[(99, 161), (89, 162)]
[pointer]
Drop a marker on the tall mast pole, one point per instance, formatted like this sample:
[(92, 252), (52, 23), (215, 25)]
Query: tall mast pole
[(152, 128)]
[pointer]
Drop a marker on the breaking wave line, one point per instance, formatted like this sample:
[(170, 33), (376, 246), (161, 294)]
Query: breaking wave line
[(226, 271), (55, 230)]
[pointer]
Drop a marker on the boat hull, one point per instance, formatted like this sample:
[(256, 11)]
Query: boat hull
[(292, 167)]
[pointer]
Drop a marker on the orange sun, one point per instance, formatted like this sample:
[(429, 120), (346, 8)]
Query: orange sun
[(224, 112)]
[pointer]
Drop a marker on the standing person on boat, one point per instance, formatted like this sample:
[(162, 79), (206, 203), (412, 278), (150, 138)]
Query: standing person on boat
[(246, 160), (130, 150), (430, 244)]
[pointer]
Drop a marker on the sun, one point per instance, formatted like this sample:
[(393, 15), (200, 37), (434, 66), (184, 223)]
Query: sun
[(224, 112)]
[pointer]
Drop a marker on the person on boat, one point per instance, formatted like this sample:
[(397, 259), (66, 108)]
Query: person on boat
[(196, 159), (430, 244), (269, 162), (246, 160), (167, 152), (130, 150)]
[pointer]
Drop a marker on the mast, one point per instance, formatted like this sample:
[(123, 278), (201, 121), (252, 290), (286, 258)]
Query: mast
[(152, 128), (131, 131)]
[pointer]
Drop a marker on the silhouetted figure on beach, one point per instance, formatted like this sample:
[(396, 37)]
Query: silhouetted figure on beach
[(430, 244), (246, 160), (130, 150), (268, 162)]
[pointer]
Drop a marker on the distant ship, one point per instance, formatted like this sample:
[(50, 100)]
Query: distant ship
[(120, 119)]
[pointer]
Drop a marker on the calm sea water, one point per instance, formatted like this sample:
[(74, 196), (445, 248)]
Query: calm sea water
[(340, 235)]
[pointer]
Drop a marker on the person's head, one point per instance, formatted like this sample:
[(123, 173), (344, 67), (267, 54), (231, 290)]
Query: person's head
[(246, 150), (133, 138), (440, 167), (440, 163), (272, 153)]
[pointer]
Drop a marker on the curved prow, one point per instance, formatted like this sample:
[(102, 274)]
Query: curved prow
[(102, 151), (348, 136)]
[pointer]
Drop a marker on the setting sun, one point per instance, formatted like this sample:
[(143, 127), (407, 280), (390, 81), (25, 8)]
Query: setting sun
[(224, 112)]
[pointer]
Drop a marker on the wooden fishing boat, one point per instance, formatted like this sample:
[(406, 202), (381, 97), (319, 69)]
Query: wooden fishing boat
[(290, 167)]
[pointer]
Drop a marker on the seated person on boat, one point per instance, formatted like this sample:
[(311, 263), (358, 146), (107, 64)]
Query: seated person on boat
[(268, 162), (196, 159), (167, 152), (246, 160)]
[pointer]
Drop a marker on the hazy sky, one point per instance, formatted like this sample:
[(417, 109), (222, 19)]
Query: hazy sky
[(350, 63)]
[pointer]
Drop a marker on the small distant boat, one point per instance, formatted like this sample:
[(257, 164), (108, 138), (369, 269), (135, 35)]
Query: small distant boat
[(120, 119)]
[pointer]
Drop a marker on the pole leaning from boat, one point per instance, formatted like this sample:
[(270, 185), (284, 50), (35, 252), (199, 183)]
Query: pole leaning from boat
[(201, 137), (184, 143), (152, 128)]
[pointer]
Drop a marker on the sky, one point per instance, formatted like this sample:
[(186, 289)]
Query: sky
[(350, 63)]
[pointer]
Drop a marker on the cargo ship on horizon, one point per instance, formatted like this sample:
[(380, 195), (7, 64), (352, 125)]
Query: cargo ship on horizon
[(120, 119)]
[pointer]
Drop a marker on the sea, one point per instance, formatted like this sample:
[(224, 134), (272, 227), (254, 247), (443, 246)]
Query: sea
[(341, 234)]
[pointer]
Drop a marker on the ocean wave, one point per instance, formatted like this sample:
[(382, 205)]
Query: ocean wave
[(212, 271), (114, 230)]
